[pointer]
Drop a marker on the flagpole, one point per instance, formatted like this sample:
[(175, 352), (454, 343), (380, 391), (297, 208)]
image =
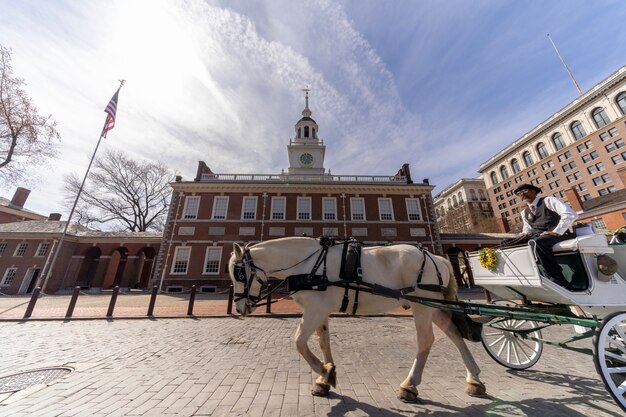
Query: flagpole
[(566, 67), (80, 190)]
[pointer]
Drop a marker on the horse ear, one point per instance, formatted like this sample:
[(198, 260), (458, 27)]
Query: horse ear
[(237, 250)]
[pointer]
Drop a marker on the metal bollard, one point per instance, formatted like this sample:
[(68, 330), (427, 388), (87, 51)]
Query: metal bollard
[(268, 307), (231, 295), (116, 290), (70, 308), (155, 291), (192, 298), (31, 304)]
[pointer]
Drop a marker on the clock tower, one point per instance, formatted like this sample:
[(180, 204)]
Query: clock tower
[(306, 151)]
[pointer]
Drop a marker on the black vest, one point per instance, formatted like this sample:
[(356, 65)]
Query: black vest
[(543, 220)]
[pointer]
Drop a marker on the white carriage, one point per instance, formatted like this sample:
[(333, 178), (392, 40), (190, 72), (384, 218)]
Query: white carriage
[(595, 303)]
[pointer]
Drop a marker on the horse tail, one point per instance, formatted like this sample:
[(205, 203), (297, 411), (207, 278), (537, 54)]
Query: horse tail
[(452, 289)]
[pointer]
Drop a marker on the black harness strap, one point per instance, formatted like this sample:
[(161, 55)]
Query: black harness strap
[(350, 271)]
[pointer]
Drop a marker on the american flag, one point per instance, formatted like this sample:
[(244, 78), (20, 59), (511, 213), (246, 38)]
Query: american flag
[(110, 111)]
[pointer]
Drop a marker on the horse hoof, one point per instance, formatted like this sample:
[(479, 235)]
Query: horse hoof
[(474, 389), (320, 390), (332, 376), (407, 396)]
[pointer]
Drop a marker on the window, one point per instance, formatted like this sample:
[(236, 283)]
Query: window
[(494, 178), (598, 224), (619, 143), (515, 166), (455, 202), (191, 207), (329, 206), (9, 276), (616, 159), (558, 141), (385, 208), (278, 208), (357, 208), (542, 151), (220, 208), (613, 131), (594, 154), (600, 118), (473, 194), (592, 169), (606, 178), (460, 195), (248, 208), (212, 260), (604, 136), (610, 147), (21, 249), (42, 250), (181, 260), (3, 247), (504, 173), (621, 102), (528, 159), (578, 130), (413, 209), (481, 195), (304, 208)]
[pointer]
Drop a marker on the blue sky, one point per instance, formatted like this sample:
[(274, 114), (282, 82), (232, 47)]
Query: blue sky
[(442, 85)]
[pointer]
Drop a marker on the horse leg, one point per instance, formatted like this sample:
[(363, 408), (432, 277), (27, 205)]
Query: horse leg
[(474, 387), (310, 321), (425, 338), (323, 335)]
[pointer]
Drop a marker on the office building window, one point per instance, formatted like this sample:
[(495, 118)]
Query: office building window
[(248, 208), (304, 208), (621, 102), (278, 208), (558, 141), (542, 151), (220, 208), (413, 209), (329, 206), (578, 130), (181, 260), (600, 118), (385, 209), (190, 211), (357, 208), (212, 260)]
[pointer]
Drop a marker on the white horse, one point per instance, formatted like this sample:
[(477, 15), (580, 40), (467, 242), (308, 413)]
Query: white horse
[(394, 267)]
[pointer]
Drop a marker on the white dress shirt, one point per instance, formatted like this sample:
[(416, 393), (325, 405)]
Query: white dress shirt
[(568, 215)]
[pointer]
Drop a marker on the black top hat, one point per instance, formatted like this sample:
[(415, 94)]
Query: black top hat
[(527, 187)]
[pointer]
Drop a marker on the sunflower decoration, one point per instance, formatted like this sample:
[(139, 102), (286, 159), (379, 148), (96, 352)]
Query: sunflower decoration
[(488, 259)]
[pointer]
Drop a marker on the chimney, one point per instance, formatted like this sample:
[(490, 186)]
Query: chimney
[(574, 199), (19, 198), (54, 217), (202, 169)]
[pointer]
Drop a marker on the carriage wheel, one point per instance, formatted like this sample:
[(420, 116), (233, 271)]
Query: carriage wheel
[(609, 356), (509, 348)]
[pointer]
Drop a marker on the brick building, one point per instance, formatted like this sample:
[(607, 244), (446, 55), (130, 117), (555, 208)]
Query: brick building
[(13, 210), (580, 147), (214, 210), (463, 207)]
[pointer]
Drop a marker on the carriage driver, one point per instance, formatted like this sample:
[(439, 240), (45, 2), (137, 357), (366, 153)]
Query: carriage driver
[(546, 222)]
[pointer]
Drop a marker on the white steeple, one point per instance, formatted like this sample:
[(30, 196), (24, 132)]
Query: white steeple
[(306, 151)]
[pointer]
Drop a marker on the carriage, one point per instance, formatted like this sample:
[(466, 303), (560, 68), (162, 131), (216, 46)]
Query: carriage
[(509, 327), (594, 302)]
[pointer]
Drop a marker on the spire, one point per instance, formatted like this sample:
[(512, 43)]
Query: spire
[(306, 112)]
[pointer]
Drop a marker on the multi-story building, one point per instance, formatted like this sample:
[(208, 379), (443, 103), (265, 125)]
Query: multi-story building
[(582, 146), (214, 210), (463, 207)]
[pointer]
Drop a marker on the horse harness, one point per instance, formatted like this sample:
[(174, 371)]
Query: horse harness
[(351, 276)]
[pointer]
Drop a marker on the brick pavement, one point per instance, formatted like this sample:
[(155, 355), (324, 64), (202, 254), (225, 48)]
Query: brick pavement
[(237, 367)]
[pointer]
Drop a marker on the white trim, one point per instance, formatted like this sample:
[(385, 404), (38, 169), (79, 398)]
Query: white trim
[(380, 211), (333, 209), (408, 211), (284, 211), (362, 200), (310, 212), (17, 249), (174, 259), (37, 255)]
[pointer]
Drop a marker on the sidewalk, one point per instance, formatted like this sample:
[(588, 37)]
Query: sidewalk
[(134, 305)]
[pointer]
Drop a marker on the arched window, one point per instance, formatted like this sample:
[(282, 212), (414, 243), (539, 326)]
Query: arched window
[(481, 195), (306, 131), (528, 159), (473, 194), (558, 141), (621, 102), (449, 204), (299, 132), (494, 178), (515, 166), (455, 202), (600, 117), (578, 130), (504, 173), (460, 197), (542, 151), (313, 133)]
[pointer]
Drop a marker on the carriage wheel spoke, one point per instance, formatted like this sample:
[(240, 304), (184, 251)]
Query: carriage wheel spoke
[(617, 370), (521, 346), (621, 389), (618, 329), (514, 346), (615, 357), (504, 343), (521, 323), (618, 343), (496, 341)]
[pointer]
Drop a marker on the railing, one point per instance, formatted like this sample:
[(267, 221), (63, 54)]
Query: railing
[(299, 178)]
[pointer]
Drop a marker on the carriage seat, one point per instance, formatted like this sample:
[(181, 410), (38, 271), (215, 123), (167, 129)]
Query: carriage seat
[(593, 243)]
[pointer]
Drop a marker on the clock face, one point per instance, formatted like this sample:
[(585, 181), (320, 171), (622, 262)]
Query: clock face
[(306, 159)]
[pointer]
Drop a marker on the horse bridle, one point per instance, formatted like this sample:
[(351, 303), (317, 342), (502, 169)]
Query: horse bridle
[(240, 271)]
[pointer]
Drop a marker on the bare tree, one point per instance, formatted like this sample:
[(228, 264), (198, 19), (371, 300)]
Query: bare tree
[(27, 139), (121, 194)]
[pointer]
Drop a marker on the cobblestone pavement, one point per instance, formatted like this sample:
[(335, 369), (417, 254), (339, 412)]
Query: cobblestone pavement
[(249, 367)]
